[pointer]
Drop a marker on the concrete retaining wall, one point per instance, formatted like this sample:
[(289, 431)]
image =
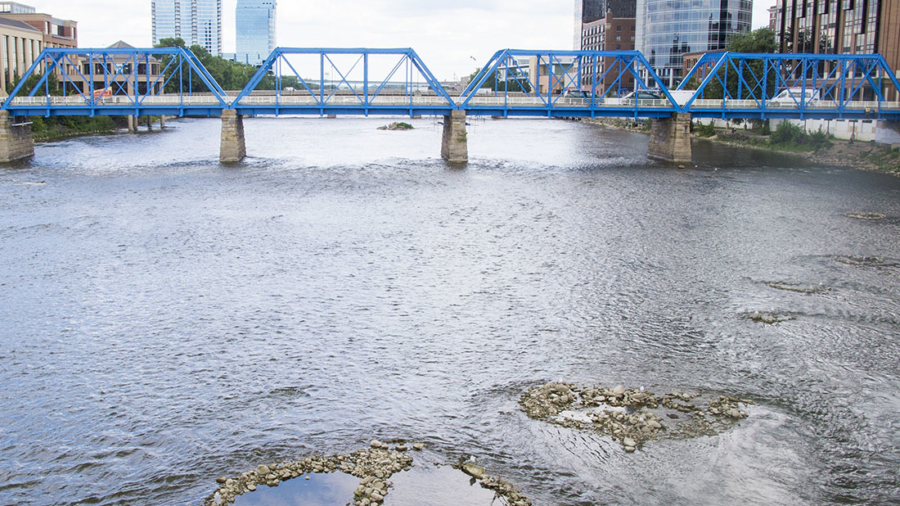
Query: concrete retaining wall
[(16, 142)]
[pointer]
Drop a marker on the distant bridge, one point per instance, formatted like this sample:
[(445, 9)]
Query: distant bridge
[(514, 83)]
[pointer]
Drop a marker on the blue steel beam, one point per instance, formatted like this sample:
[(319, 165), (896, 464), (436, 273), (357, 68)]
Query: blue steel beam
[(755, 78), (121, 68), (325, 102)]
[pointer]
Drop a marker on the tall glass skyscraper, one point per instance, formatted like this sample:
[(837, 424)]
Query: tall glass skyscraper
[(668, 29), (255, 30), (195, 21)]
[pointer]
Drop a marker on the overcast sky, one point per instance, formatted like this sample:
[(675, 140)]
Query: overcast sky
[(446, 34)]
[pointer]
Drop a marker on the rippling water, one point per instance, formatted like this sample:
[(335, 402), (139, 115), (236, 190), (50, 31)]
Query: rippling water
[(166, 320)]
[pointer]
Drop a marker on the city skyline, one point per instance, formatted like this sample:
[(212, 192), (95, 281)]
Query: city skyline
[(194, 21), (446, 36)]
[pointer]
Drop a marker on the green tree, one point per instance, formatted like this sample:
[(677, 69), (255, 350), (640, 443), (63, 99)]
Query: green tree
[(32, 82), (757, 41), (229, 74)]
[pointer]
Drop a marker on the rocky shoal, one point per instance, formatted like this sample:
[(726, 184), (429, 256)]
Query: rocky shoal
[(631, 416), (374, 466)]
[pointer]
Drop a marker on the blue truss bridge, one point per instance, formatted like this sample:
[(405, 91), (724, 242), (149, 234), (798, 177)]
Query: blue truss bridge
[(513, 83)]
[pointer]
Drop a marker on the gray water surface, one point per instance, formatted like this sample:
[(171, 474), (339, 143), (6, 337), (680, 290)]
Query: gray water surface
[(165, 320)]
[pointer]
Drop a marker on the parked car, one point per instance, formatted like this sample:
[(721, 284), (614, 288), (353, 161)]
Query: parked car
[(642, 95), (794, 96)]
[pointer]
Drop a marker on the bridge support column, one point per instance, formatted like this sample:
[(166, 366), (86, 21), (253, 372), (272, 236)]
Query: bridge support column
[(670, 139), (233, 148), (455, 144), (162, 122), (16, 142), (131, 121)]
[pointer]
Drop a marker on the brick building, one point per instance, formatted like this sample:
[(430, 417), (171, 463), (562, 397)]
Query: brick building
[(614, 31), (840, 27)]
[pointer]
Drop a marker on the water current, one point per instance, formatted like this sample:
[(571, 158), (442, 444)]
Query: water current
[(165, 320)]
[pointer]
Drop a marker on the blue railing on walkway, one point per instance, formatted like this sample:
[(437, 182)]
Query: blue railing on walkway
[(514, 83)]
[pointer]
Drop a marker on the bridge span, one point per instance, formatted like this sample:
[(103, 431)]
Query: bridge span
[(397, 82)]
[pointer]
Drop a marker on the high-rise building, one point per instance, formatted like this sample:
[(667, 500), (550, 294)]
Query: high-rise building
[(255, 30), (845, 27), (589, 11), (668, 29), (613, 31), (195, 21)]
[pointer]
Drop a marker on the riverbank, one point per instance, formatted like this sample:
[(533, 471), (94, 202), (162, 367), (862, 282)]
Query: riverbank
[(67, 127), (867, 156)]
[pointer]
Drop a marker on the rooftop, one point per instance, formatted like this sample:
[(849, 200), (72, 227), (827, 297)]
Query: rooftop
[(17, 24)]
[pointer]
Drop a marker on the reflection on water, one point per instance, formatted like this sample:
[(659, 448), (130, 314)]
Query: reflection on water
[(167, 320), (427, 485), (335, 489)]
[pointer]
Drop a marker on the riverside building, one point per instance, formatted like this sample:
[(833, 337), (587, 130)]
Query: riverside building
[(844, 27), (197, 22), (614, 30), (256, 36), (24, 33), (666, 30)]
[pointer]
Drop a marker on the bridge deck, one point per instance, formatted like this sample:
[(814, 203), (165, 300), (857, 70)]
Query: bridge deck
[(433, 105)]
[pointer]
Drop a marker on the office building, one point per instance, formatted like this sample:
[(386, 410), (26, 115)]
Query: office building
[(24, 33), (590, 11), (586, 11), (15, 8), (197, 22), (614, 31), (20, 45), (668, 29), (56, 32), (846, 27), (255, 23)]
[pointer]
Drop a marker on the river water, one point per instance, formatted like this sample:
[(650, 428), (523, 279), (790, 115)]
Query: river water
[(165, 320)]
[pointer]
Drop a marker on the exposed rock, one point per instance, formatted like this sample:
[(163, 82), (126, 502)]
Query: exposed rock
[(809, 290), (859, 261), (371, 466), (397, 126), (632, 417), (768, 318), (474, 471), (866, 216), (418, 447)]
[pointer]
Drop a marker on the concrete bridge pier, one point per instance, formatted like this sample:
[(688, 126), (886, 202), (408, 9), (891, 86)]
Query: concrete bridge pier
[(16, 142), (131, 121), (233, 148), (670, 139), (455, 144)]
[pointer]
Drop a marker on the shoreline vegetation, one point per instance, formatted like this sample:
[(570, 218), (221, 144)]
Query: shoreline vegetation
[(788, 139), (58, 128)]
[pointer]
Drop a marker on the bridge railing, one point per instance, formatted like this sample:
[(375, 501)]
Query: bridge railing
[(513, 83)]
